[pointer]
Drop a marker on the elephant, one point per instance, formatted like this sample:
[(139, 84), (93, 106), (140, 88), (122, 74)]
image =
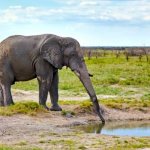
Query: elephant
[(23, 58)]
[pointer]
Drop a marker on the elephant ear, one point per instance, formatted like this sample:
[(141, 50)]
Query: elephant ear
[(51, 52)]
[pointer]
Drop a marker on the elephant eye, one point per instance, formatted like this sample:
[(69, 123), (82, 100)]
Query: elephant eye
[(73, 54)]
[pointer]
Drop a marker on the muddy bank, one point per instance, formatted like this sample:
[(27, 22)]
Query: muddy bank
[(52, 130)]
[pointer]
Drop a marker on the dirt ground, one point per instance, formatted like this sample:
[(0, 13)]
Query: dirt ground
[(52, 130)]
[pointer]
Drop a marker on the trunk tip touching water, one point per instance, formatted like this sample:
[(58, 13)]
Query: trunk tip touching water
[(98, 109), (101, 117)]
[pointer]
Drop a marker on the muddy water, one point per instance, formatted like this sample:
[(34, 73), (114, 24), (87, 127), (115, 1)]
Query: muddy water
[(131, 128)]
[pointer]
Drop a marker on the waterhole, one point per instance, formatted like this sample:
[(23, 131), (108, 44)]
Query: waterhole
[(131, 128)]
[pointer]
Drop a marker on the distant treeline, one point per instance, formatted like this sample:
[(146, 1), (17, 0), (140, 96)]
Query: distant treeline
[(117, 51), (113, 47)]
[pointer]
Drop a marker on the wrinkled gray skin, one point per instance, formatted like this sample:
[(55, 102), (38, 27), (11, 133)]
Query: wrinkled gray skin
[(23, 58)]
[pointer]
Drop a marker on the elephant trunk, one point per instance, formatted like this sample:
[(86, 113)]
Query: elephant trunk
[(83, 75)]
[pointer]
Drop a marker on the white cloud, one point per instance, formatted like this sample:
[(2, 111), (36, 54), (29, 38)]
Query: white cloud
[(26, 14), (112, 10), (85, 10)]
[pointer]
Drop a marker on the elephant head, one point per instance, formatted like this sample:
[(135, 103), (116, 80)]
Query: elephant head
[(67, 52)]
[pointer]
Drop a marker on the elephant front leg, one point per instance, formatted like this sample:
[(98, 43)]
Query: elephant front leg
[(43, 92), (54, 93)]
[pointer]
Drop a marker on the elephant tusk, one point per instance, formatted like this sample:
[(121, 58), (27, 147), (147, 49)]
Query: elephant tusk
[(77, 73)]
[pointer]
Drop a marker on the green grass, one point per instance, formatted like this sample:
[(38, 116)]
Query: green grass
[(109, 70), (130, 145), (4, 147), (146, 97), (121, 103), (111, 102), (93, 142), (66, 144), (67, 112), (22, 143), (31, 85), (29, 108), (33, 108)]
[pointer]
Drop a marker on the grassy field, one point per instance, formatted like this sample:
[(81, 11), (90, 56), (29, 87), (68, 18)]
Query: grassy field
[(112, 76), (117, 143)]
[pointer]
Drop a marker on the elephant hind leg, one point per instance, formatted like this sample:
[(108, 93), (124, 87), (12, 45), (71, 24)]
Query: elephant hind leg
[(1, 96), (6, 95)]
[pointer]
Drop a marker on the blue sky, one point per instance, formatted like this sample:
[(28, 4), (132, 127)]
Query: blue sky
[(91, 22)]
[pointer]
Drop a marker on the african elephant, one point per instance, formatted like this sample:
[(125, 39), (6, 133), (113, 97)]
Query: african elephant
[(26, 57)]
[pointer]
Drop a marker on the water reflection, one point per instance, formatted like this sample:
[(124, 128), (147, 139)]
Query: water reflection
[(131, 128)]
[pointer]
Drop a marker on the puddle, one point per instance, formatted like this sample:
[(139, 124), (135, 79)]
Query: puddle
[(132, 128)]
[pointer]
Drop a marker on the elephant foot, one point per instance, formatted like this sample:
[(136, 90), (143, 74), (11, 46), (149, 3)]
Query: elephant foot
[(55, 108), (1, 104), (10, 103), (45, 107)]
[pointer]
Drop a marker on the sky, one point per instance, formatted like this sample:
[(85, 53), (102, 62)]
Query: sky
[(91, 22)]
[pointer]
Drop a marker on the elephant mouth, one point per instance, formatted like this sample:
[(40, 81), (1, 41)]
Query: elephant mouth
[(78, 74)]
